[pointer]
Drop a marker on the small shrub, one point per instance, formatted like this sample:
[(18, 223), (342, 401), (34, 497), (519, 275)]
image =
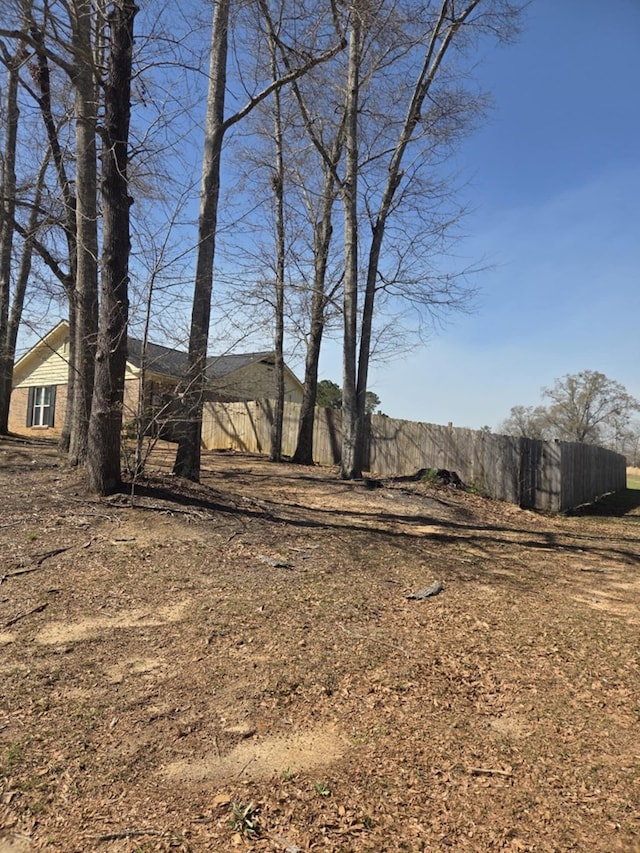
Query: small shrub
[(245, 819)]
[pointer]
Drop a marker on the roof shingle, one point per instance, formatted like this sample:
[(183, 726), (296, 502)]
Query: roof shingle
[(174, 363)]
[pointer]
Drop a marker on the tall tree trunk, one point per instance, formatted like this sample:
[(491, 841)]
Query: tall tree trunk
[(275, 452), (86, 283), (349, 465), (445, 27), (187, 463), (304, 448), (22, 279), (105, 425), (64, 443), (7, 216), (43, 81), (323, 231)]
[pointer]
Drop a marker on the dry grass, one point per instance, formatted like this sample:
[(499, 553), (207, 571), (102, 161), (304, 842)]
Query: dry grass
[(236, 666), (633, 478)]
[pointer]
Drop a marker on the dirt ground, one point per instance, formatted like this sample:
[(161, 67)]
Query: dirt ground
[(236, 666)]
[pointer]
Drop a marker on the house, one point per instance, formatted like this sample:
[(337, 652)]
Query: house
[(39, 393)]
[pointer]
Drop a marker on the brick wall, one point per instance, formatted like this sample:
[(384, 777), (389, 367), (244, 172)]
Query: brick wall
[(18, 414)]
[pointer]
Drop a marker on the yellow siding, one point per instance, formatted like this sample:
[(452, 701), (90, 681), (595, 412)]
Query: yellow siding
[(52, 370), (255, 382), (292, 388), (250, 382)]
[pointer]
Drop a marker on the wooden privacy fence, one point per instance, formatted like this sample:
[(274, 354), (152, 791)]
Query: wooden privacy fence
[(545, 475), (247, 427)]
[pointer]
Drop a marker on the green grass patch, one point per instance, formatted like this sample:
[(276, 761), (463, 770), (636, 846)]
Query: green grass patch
[(633, 481), (12, 758)]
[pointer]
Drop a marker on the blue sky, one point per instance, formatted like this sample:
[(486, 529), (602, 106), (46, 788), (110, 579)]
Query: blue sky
[(554, 185)]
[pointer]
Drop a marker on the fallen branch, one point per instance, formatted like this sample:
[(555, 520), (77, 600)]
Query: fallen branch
[(127, 833), (18, 572), (490, 771), (26, 613), (21, 572), (164, 508), (37, 563)]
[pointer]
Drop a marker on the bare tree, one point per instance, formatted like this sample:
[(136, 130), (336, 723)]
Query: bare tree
[(402, 107), (277, 182), (7, 219), (349, 192), (85, 84), (76, 36), (20, 194), (275, 453), (105, 426), (527, 422), (447, 25), (187, 463), (42, 79), (303, 191), (29, 244), (585, 407), (313, 151), (588, 407), (321, 297), (292, 180)]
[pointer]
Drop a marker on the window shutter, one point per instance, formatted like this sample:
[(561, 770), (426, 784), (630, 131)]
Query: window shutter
[(52, 407), (32, 392)]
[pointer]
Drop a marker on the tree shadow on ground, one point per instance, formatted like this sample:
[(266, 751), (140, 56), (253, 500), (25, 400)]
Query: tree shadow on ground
[(617, 504), (158, 494)]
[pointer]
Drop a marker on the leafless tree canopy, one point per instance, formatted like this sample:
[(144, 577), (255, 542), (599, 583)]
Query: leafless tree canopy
[(288, 171), (584, 407)]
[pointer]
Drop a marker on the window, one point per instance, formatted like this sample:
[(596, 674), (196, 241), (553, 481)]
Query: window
[(41, 406)]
